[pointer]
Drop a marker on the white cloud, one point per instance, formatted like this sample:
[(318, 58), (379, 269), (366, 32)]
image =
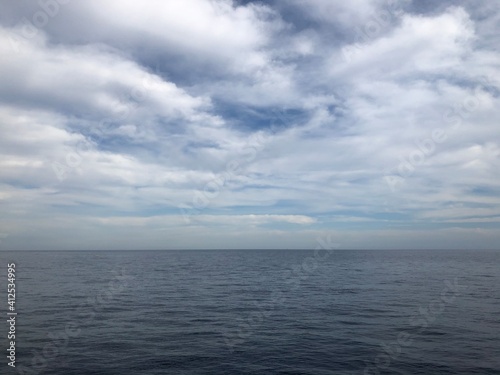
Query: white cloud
[(419, 45), (134, 143)]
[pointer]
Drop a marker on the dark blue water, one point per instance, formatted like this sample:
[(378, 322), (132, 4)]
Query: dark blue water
[(255, 312)]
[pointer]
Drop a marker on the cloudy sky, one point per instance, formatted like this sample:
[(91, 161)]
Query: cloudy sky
[(182, 124)]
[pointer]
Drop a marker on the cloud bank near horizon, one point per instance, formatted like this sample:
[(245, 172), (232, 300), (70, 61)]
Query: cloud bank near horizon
[(241, 124)]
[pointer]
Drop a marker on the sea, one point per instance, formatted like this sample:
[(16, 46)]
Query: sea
[(251, 312)]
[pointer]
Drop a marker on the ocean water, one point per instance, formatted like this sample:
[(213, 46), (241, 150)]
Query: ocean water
[(254, 312)]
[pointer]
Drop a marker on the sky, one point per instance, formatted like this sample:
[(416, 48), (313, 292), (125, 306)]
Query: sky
[(206, 124)]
